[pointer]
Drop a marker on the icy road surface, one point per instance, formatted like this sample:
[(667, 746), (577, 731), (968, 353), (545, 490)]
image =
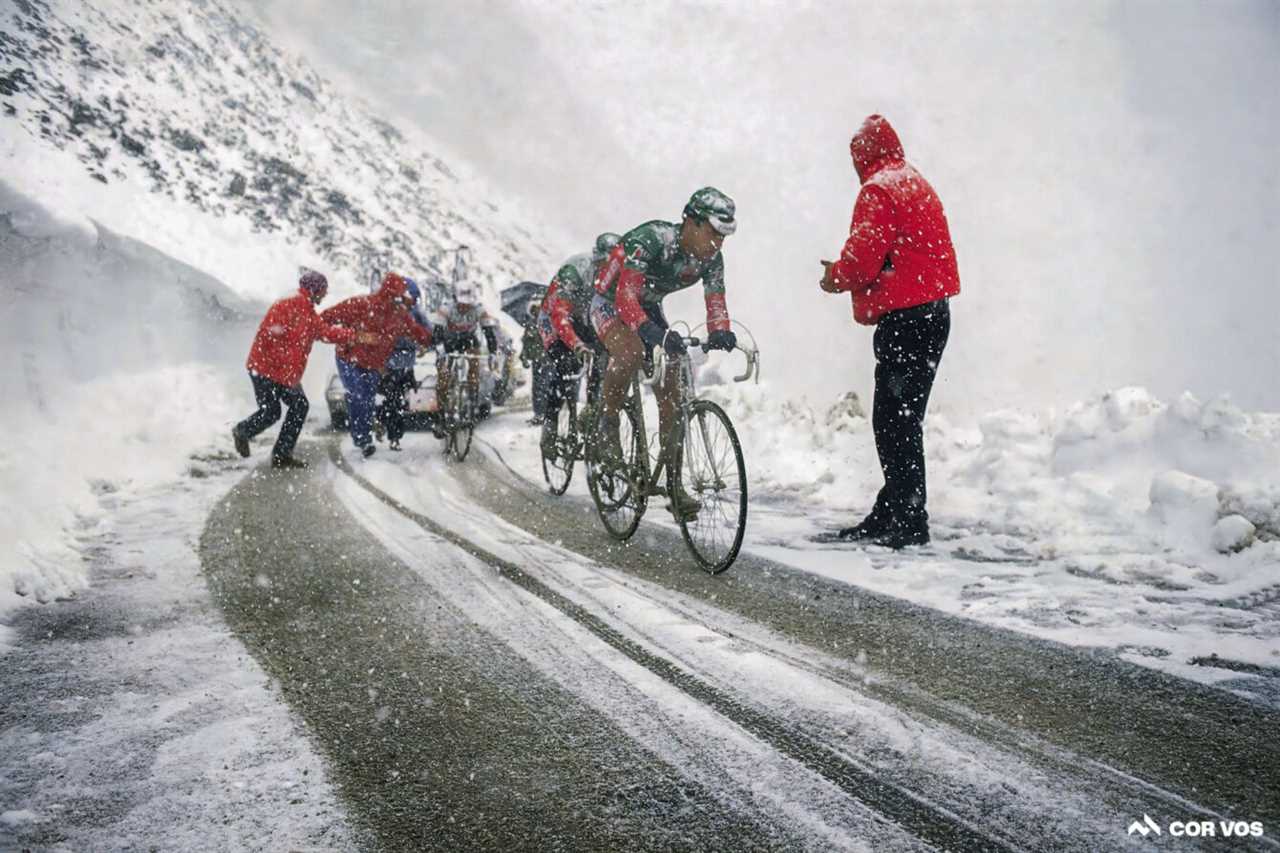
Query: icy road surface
[(482, 667)]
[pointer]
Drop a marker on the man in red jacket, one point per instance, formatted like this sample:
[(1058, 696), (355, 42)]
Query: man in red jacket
[(380, 318), (276, 363), (900, 268)]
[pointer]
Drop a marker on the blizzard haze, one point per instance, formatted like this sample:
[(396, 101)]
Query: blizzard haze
[(1108, 169)]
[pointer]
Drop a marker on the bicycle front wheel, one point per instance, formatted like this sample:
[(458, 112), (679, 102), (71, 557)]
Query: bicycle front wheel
[(559, 469), (463, 425), (712, 471)]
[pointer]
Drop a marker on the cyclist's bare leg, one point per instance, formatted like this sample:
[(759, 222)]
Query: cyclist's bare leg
[(473, 372), (666, 395), (626, 355), (442, 383)]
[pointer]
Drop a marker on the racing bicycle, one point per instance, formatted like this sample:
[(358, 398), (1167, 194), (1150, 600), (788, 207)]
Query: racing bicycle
[(705, 458)]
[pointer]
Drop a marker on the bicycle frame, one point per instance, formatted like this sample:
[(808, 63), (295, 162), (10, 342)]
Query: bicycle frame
[(686, 388)]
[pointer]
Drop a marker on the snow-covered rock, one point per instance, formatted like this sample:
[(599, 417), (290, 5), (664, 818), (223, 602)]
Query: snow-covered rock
[(1178, 498), (1233, 533)]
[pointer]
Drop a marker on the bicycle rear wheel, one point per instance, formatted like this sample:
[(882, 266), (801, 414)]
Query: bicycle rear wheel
[(711, 469), (559, 471), (621, 493)]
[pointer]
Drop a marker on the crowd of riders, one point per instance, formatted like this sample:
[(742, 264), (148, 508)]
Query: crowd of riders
[(604, 306)]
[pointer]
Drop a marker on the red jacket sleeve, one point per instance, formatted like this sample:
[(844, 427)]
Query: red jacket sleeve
[(418, 332), (348, 312), (320, 330), (562, 318), (870, 238)]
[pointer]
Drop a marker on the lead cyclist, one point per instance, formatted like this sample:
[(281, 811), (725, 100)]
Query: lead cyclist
[(651, 262)]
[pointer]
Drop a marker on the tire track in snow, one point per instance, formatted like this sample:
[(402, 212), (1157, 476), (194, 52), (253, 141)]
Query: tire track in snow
[(931, 821)]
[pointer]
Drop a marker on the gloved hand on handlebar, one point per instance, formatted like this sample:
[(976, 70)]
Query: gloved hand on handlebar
[(651, 333), (722, 339)]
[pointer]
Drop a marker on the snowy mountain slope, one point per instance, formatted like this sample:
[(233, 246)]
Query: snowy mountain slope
[(193, 104), (164, 168)]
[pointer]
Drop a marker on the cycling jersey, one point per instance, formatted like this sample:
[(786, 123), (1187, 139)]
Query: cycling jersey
[(568, 302), (460, 319), (649, 265)]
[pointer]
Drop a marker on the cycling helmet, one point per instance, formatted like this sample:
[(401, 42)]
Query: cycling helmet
[(604, 245), (715, 207), (466, 295), (414, 293)]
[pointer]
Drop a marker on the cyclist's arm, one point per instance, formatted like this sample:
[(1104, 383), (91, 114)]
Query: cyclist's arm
[(628, 273), (488, 326), (713, 296), (560, 309)]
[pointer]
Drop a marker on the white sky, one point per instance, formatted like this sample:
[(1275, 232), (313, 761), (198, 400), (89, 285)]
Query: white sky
[(1108, 169)]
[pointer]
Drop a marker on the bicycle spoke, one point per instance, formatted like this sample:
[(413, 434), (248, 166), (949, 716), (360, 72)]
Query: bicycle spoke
[(713, 473)]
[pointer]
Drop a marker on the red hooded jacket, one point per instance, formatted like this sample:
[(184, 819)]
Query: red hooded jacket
[(378, 313), (899, 251), (283, 343)]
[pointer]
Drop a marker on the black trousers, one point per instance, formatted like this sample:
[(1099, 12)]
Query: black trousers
[(394, 388), (908, 348), (269, 396), (559, 367)]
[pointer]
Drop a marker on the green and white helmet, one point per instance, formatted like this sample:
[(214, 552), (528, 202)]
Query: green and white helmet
[(604, 245), (715, 207)]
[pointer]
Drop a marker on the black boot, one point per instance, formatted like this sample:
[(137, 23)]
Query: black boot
[(241, 441), (869, 528), (901, 536)]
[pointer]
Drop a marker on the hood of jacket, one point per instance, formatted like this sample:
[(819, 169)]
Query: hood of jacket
[(875, 146)]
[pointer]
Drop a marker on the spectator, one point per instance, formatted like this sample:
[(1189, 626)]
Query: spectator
[(277, 360), (397, 379), (900, 268), (382, 317)]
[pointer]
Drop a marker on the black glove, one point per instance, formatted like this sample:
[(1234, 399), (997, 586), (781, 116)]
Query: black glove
[(651, 333), (722, 339)]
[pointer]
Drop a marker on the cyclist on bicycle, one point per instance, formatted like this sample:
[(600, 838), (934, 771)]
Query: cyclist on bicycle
[(459, 320), (565, 326), (653, 260)]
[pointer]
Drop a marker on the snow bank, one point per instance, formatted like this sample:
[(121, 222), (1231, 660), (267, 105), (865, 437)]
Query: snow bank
[(120, 365), (1145, 476)]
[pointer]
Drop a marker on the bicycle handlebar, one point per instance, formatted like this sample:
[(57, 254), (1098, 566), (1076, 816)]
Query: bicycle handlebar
[(753, 355)]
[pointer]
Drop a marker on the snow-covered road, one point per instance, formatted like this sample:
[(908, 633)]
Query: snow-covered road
[(445, 656), (847, 722)]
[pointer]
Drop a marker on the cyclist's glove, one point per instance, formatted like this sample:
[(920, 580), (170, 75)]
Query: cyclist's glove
[(651, 333), (722, 339)]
